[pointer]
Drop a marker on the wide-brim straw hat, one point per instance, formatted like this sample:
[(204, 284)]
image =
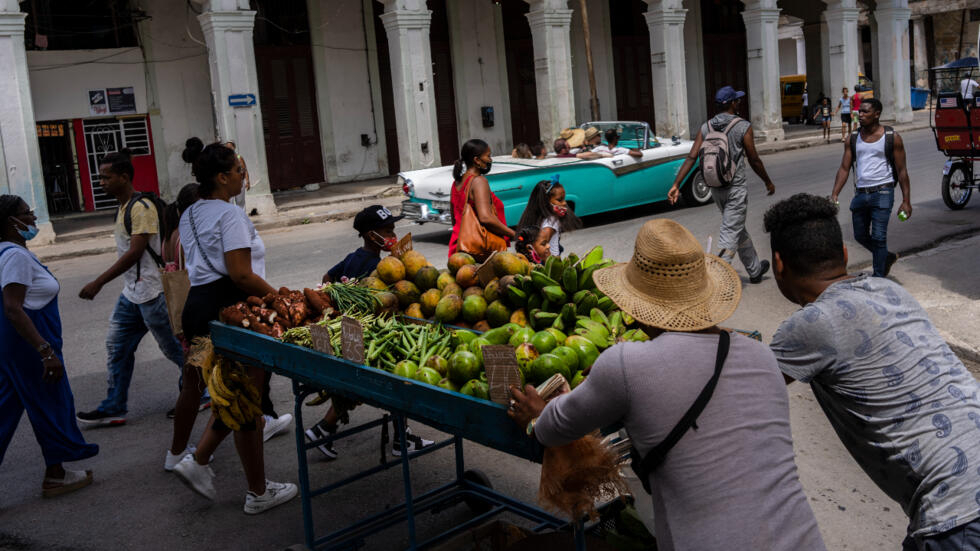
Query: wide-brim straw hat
[(566, 133), (577, 138), (670, 283), (591, 132)]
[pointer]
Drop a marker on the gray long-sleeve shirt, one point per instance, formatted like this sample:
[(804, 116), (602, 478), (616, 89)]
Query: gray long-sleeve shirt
[(730, 484)]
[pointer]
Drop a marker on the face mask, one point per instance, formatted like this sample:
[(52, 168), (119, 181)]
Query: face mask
[(487, 168), (559, 210), (387, 243), (534, 256), (28, 234)]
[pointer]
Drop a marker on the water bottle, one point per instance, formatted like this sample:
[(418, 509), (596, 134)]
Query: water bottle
[(902, 215)]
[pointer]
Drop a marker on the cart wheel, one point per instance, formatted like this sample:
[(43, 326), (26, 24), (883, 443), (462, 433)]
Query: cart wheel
[(696, 192), (956, 187), (476, 505)]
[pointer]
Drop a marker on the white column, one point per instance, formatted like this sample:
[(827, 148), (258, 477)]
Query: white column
[(894, 83), (20, 158), (407, 24), (231, 59), (800, 54), (665, 19), (762, 44), (919, 60), (550, 22), (842, 50)]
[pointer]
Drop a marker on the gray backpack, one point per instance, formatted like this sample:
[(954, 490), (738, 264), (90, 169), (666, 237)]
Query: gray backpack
[(717, 165)]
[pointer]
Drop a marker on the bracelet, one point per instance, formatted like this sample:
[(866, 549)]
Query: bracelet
[(48, 357), (43, 346), (530, 426)]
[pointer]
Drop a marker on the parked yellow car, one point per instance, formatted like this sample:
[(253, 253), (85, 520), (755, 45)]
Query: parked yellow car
[(791, 90)]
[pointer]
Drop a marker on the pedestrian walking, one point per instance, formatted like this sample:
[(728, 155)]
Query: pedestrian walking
[(730, 484), (805, 116), (225, 260), (855, 107), (141, 307), (32, 366), (547, 209), (877, 155), (844, 108), (902, 403), (823, 115), (731, 195), (470, 187)]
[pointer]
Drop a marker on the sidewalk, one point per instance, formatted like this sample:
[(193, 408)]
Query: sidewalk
[(91, 233), (799, 136)]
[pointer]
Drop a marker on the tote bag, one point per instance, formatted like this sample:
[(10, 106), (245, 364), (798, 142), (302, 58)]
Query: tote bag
[(176, 285), (473, 237)]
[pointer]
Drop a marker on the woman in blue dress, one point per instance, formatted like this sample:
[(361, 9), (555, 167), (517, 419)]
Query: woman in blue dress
[(32, 371)]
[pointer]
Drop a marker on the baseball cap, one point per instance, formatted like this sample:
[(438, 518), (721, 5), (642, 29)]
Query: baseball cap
[(374, 217), (727, 94)]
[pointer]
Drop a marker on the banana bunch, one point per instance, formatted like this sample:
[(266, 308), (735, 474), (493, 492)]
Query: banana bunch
[(234, 398)]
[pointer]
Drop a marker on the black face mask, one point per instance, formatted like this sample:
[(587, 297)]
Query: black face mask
[(486, 169)]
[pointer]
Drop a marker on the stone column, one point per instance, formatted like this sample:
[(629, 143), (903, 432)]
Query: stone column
[(800, 54), (20, 158), (762, 44), (231, 60), (550, 22), (894, 83), (842, 51), (407, 25), (665, 19), (812, 35), (919, 54)]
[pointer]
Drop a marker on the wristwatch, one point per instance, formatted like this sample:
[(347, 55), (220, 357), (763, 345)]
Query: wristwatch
[(44, 348)]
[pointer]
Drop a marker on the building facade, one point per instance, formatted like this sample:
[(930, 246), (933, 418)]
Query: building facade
[(316, 91)]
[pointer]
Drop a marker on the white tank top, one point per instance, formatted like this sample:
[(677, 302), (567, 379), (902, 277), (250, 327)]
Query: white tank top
[(872, 166)]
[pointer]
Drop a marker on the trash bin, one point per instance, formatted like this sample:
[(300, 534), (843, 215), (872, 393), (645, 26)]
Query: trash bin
[(919, 97)]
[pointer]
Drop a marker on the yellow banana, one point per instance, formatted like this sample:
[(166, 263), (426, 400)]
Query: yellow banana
[(236, 412), (227, 419)]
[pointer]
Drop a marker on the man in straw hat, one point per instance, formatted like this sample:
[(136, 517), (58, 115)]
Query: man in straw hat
[(732, 199), (900, 400), (730, 484)]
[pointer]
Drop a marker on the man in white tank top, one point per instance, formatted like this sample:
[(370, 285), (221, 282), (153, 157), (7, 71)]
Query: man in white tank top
[(877, 168)]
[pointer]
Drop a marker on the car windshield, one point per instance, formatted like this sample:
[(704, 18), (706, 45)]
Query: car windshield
[(632, 135)]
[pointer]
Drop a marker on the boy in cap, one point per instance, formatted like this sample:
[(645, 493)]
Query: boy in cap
[(376, 226)]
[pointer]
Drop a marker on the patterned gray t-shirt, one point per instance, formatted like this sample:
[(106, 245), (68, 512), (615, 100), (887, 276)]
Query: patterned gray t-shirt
[(900, 400), (735, 136)]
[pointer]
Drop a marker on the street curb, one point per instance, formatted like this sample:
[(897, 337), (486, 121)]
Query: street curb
[(802, 143)]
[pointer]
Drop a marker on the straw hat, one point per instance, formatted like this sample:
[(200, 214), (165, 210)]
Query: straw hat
[(576, 137), (591, 132), (670, 283)]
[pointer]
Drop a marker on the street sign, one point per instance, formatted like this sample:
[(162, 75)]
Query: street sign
[(241, 100)]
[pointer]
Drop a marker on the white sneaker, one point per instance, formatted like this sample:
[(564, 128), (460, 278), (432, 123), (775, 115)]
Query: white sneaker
[(276, 493), (274, 426), (174, 458), (197, 477), (415, 443)]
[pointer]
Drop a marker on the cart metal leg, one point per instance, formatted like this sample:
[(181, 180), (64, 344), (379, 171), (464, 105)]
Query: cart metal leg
[(399, 422), (304, 473)]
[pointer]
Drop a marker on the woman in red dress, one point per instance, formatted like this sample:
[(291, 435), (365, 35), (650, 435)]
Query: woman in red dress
[(472, 186)]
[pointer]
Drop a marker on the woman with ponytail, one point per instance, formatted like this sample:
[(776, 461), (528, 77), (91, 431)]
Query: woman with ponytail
[(471, 186)]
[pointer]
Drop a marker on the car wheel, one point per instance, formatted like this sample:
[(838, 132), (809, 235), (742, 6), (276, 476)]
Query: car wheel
[(696, 192)]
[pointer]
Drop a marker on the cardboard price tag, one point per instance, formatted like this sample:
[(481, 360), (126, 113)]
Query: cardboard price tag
[(403, 246), (321, 339), (352, 340), (502, 371), (485, 272)]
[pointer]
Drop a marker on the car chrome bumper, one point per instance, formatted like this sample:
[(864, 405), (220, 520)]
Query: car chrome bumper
[(421, 213)]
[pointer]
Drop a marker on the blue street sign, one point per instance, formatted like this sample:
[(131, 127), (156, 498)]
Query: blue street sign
[(241, 100)]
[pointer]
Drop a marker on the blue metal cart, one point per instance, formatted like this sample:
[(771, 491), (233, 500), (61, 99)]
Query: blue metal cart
[(461, 416)]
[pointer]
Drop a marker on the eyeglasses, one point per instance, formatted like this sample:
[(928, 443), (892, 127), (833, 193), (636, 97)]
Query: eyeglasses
[(239, 169)]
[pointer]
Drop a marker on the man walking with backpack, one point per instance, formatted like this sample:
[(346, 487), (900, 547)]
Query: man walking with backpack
[(723, 144), (877, 154), (141, 306)]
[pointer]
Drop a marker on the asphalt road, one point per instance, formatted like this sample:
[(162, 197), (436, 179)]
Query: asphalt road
[(134, 504)]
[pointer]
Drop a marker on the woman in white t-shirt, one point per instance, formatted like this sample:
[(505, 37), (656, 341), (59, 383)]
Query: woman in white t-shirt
[(32, 371), (225, 260), (547, 209)]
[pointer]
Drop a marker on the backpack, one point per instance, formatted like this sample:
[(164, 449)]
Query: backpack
[(146, 199), (717, 165), (889, 150)]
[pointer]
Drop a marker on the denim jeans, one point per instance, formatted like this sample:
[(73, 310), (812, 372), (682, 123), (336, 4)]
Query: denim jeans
[(869, 215), (733, 202), (127, 326), (961, 538)]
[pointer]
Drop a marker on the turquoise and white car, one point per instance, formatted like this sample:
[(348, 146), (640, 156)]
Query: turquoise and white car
[(591, 186)]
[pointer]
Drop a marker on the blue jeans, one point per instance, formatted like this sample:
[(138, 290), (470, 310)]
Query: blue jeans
[(127, 326), (869, 215), (961, 538)]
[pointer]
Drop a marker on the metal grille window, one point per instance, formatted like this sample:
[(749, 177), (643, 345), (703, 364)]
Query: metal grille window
[(104, 136)]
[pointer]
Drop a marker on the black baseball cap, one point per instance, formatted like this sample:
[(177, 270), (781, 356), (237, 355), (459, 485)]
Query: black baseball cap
[(374, 217)]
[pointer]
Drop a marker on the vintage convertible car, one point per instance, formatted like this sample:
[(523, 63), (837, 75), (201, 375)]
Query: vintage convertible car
[(591, 186)]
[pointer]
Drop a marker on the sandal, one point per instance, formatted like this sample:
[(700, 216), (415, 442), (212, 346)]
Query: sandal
[(73, 480)]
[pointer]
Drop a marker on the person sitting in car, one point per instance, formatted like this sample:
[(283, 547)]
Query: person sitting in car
[(612, 148)]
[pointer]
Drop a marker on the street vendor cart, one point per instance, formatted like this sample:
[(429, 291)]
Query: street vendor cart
[(462, 417)]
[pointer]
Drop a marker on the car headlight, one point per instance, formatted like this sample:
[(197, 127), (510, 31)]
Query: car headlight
[(407, 186)]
